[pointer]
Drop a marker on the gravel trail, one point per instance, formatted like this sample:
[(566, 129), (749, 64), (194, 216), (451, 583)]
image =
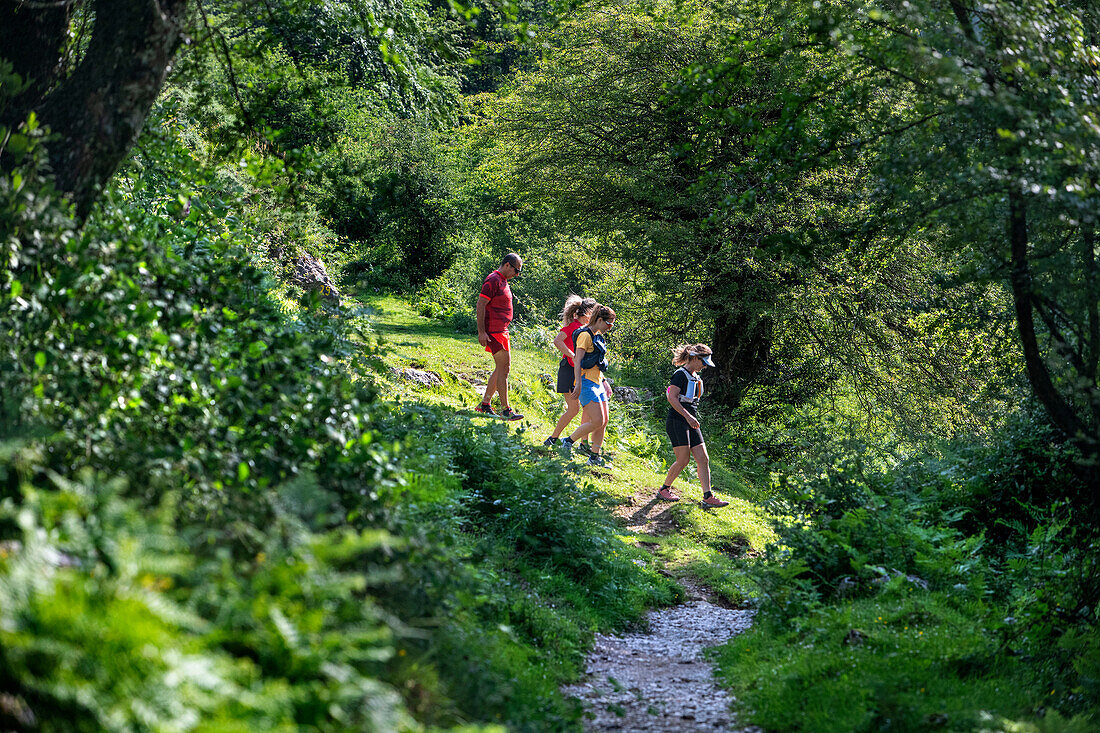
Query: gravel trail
[(659, 681)]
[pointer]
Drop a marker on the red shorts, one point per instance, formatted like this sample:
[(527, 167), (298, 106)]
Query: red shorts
[(497, 342)]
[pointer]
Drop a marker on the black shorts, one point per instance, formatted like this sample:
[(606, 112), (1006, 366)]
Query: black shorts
[(565, 377), (680, 433)]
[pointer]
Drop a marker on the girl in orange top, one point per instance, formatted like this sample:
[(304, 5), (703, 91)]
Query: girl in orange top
[(589, 385)]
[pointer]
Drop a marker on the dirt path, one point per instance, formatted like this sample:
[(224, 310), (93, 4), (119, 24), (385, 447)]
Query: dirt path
[(659, 681), (645, 514)]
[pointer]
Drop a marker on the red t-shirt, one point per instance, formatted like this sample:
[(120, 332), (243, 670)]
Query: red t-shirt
[(498, 311), (568, 331)]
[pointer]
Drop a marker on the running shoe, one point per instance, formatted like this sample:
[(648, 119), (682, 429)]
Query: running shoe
[(509, 414), (550, 442), (714, 501), (595, 460), (667, 495), (567, 447), (486, 409), (584, 449)]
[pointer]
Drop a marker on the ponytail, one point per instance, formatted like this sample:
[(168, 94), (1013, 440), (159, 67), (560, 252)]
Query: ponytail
[(575, 307), (682, 354), (601, 311)]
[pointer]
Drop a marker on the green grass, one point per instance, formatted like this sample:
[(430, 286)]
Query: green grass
[(906, 660), (901, 664)]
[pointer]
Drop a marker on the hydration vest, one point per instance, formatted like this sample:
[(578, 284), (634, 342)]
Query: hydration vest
[(596, 357), (691, 395)]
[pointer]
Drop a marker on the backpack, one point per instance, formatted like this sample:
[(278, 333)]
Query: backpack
[(591, 358)]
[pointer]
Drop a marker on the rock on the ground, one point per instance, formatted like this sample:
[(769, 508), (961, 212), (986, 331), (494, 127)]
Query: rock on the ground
[(659, 682), (630, 395), (419, 377)]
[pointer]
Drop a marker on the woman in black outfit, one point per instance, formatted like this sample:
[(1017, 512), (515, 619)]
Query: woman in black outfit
[(682, 423)]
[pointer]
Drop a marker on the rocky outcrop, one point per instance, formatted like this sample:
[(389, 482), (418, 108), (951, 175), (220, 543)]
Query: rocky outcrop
[(631, 396), (302, 269), (310, 275)]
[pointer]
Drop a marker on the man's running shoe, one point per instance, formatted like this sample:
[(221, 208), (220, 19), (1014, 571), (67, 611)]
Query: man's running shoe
[(666, 495), (714, 501), (486, 409), (509, 414), (567, 447), (584, 449), (595, 460), (550, 442)]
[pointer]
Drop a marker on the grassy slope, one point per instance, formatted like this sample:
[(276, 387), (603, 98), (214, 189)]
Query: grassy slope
[(703, 544)]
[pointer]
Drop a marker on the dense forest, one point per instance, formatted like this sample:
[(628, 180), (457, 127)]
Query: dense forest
[(230, 228)]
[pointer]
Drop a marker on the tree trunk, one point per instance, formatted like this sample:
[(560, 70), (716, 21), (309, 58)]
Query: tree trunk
[(1061, 412), (742, 346), (97, 112)]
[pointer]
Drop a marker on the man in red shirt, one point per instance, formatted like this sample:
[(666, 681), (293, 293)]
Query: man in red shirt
[(494, 313)]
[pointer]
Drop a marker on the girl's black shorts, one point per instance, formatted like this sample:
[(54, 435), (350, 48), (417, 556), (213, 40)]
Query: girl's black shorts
[(680, 433), (565, 377)]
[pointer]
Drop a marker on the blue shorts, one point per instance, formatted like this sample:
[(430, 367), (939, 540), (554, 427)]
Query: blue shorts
[(591, 392)]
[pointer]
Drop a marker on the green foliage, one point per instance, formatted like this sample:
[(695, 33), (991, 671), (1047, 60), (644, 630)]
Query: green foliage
[(905, 660), (979, 552), (971, 132), (536, 516), (110, 622), (389, 190), (347, 566)]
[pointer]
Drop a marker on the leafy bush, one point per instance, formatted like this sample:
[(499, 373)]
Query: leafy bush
[(981, 540), (103, 621), (905, 660), (436, 300)]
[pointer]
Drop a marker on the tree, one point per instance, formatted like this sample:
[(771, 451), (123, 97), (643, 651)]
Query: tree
[(979, 121), (593, 130), (94, 68), (93, 92), (636, 126)]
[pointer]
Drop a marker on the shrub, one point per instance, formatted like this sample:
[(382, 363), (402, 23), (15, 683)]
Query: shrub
[(1017, 568), (102, 625)]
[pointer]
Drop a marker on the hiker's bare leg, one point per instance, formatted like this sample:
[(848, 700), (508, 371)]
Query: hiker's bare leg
[(490, 388), (598, 430), (702, 461), (572, 408), (683, 456), (592, 418), (498, 380)]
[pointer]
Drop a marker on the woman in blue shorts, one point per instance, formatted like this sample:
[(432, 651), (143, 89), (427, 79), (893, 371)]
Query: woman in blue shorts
[(682, 422), (589, 387), (573, 316)]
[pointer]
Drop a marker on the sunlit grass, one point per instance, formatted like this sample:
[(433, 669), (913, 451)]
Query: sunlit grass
[(904, 660), (707, 545)]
